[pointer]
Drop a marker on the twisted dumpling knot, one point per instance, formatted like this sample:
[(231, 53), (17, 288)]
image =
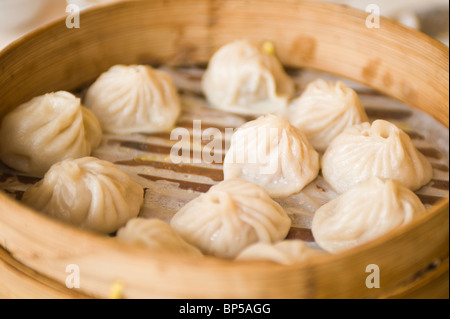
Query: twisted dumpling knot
[(364, 212), (241, 78), (88, 193), (230, 216), (272, 154), (133, 99), (324, 110), (156, 235), (379, 149), (46, 130)]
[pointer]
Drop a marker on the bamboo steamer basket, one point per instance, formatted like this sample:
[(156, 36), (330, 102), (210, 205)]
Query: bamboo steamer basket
[(397, 61)]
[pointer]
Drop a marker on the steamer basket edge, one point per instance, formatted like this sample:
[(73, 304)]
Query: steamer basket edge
[(64, 69)]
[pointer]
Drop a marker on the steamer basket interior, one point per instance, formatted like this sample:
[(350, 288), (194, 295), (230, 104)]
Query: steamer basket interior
[(398, 62)]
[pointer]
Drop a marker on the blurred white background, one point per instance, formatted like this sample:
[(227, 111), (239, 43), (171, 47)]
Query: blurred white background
[(430, 16), (18, 17)]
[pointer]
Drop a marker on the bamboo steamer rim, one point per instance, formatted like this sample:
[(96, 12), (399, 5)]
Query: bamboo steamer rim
[(28, 249)]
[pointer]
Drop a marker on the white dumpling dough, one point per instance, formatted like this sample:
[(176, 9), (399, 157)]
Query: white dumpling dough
[(324, 110), (87, 192), (286, 252), (45, 130), (134, 98), (229, 217), (156, 235), (363, 213), (241, 78), (379, 149), (272, 153)]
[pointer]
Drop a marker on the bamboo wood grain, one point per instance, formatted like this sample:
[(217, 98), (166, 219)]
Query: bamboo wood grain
[(431, 285), (20, 282), (397, 61)]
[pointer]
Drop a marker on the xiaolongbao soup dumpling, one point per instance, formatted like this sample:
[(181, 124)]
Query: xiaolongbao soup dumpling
[(87, 192), (229, 217), (46, 130), (363, 213), (133, 99), (286, 252), (272, 154), (379, 149), (324, 110), (241, 78), (156, 235)]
